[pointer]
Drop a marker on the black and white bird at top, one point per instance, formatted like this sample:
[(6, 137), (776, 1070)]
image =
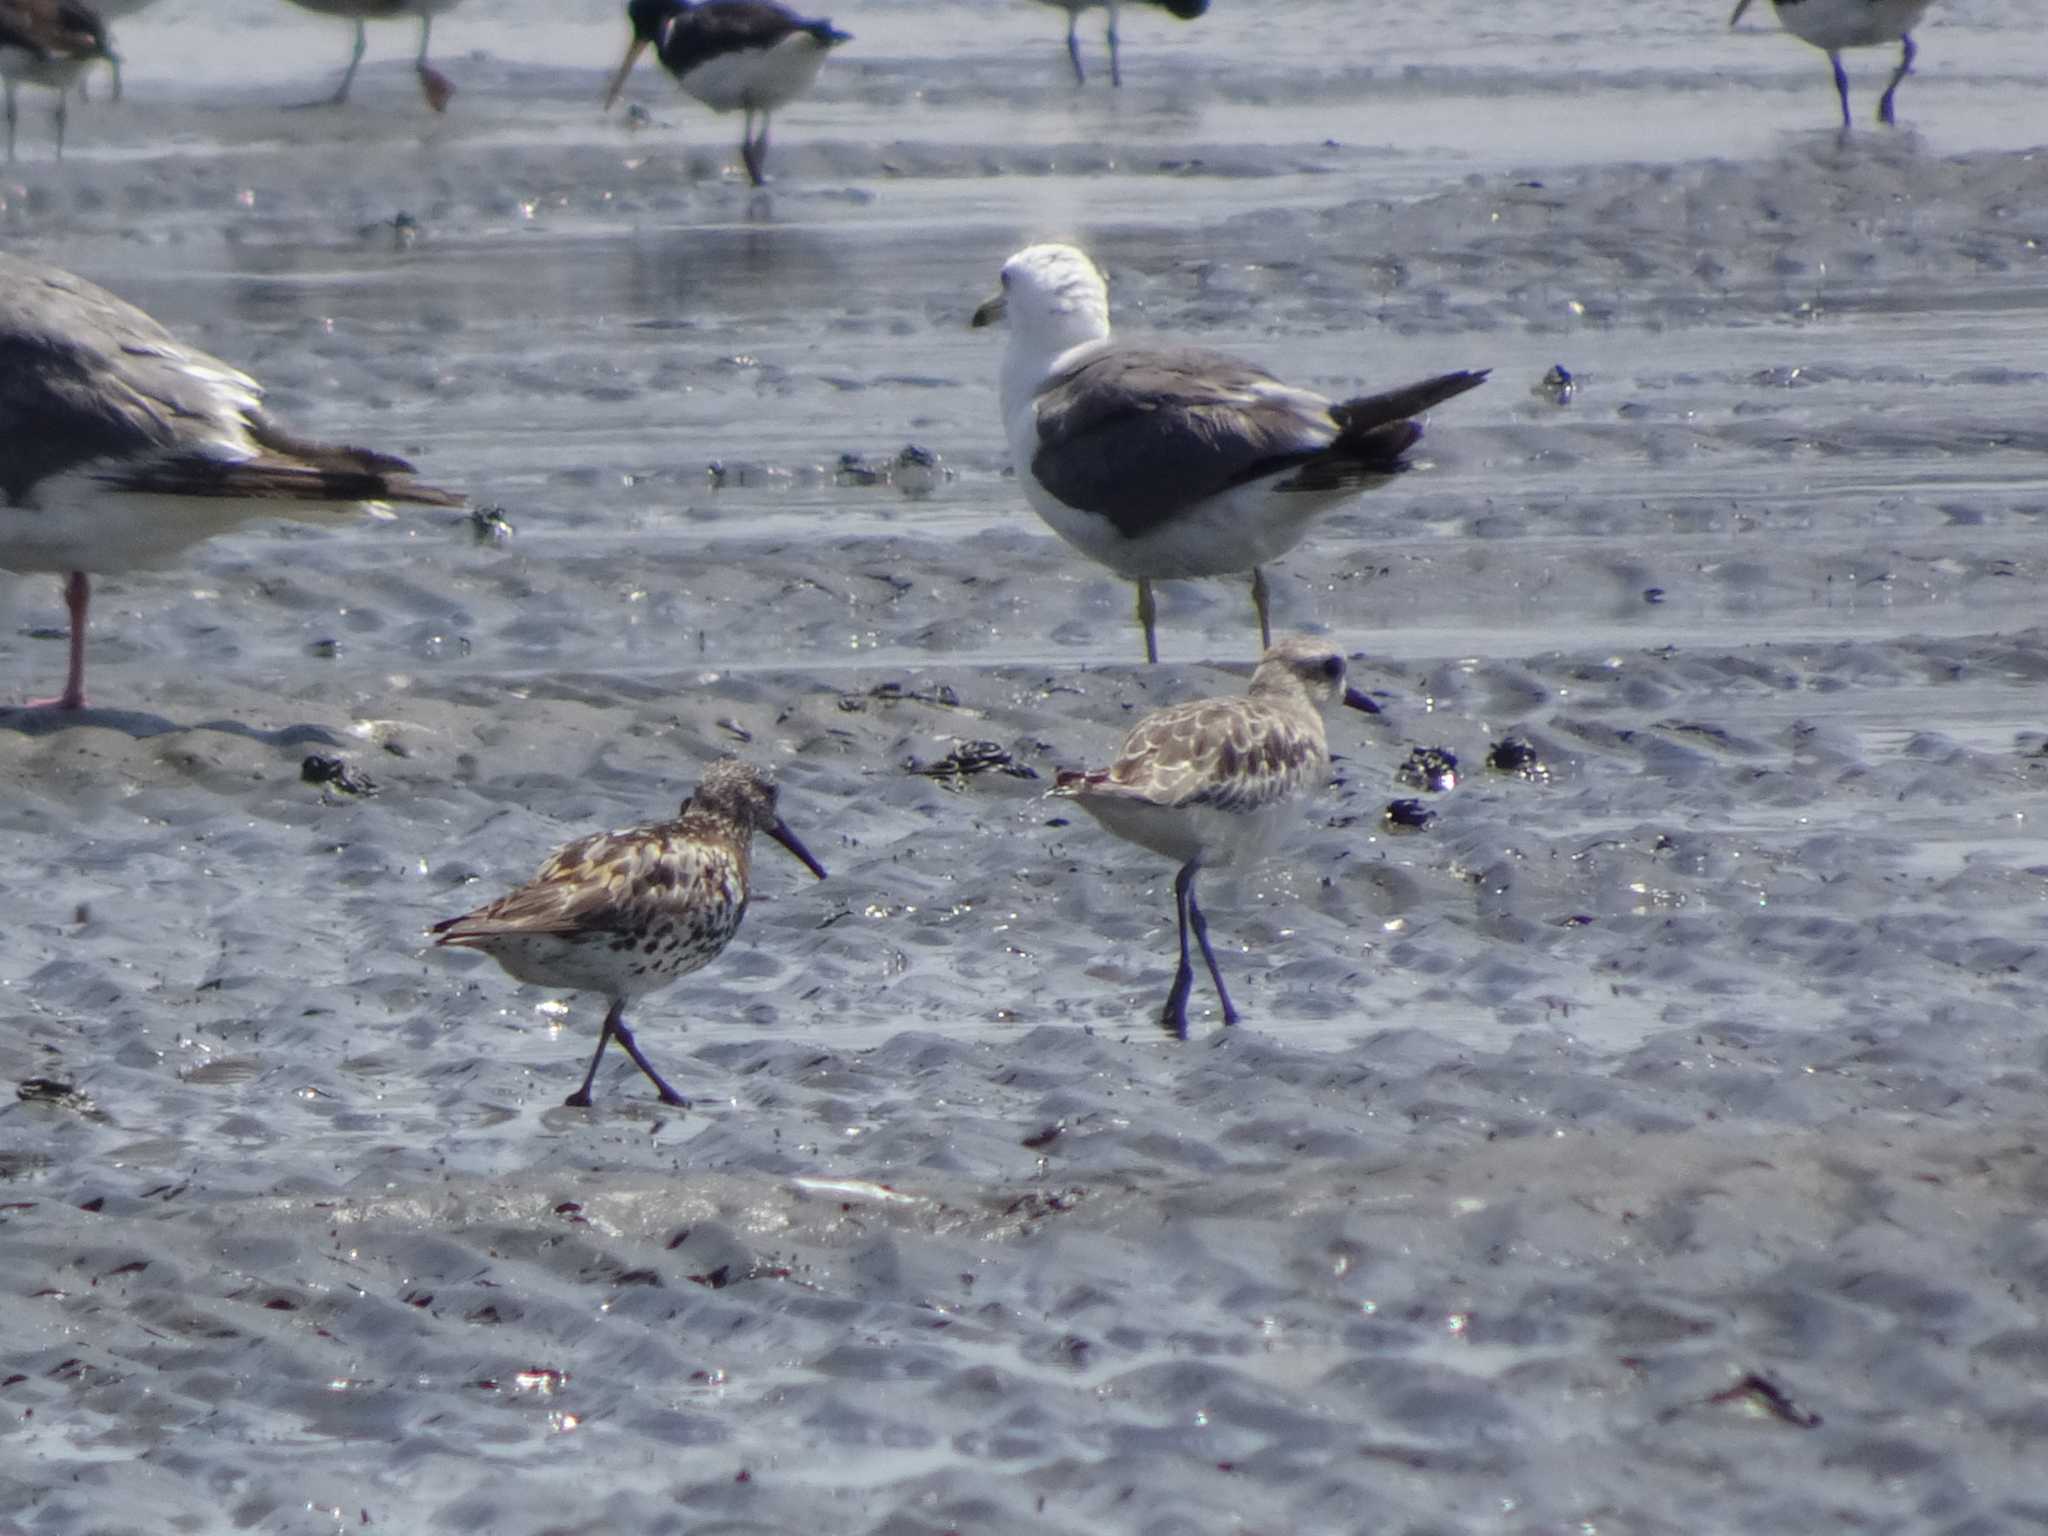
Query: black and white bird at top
[(1832, 25), (435, 86), (120, 446), (1166, 462), (1186, 10), (749, 56), (48, 43)]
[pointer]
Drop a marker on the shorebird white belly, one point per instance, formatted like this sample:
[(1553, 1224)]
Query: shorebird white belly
[(762, 78)]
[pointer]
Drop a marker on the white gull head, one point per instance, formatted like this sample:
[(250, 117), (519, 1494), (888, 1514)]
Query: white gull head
[(1055, 301)]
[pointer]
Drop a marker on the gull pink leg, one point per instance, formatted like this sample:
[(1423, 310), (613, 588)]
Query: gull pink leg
[(77, 595)]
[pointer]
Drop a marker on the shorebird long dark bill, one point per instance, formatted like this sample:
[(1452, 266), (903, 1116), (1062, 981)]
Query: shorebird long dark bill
[(781, 833), (634, 49), (1353, 699)]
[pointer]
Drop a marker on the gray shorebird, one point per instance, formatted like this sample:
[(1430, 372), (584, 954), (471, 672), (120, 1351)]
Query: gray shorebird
[(624, 914), (1832, 25), (120, 446), (435, 86), (1186, 10), (1170, 462), (1210, 783), (50, 43), (749, 56)]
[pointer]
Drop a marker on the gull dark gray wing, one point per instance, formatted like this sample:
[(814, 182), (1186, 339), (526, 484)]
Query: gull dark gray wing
[(88, 379), (1138, 435), (84, 376)]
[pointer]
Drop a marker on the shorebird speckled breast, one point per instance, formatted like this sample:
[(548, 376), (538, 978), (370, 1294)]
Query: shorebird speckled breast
[(1186, 10), (1172, 462), (749, 56), (624, 914), (435, 86), (48, 43), (1212, 782), (1832, 25), (120, 447)]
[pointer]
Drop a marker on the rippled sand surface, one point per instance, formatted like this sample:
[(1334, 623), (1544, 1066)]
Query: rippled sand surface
[(1650, 1143)]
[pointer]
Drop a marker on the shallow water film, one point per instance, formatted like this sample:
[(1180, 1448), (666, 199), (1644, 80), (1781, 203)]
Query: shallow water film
[(1634, 1128)]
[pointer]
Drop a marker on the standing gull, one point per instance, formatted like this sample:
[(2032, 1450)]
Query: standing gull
[(1168, 462), (435, 86), (120, 446), (626, 913), (1833, 25), (1211, 782), (1186, 10), (48, 43), (752, 55)]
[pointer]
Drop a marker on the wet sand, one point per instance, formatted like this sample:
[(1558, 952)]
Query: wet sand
[(1707, 1049)]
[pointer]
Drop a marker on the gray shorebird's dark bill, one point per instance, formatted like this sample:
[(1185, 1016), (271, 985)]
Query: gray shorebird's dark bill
[(1360, 701), (990, 312), (633, 51), (781, 833)]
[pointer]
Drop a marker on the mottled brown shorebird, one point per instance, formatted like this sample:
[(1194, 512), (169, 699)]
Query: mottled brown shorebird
[(49, 43), (435, 86), (626, 913), (120, 446), (1211, 782)]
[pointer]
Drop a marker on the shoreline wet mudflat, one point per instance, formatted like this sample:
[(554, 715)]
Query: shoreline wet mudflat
[(1703, 1046)]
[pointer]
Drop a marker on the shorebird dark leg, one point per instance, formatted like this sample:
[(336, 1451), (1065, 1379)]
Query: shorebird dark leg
[(1148, 615), (1116, 68), (1262, 600), (1842, 88), (615, 1024), (62, 97), (1884, 106), (1174, 1017), (348, 76), (77, 595), (1074, 47), (759, 164), (1201, 926), (10, 120)]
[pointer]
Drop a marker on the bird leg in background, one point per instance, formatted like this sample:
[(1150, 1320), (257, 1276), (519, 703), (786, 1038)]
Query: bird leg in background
[(435, 86), (1074, 48), (1884, 106), (1262, 601), (1148, 614)]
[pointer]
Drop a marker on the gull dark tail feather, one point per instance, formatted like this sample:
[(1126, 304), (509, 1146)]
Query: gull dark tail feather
[(1376, 430), (291, 469), (337, 481)]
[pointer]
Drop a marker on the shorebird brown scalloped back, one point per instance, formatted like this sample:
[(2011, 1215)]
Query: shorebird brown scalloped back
[(626, 913)]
